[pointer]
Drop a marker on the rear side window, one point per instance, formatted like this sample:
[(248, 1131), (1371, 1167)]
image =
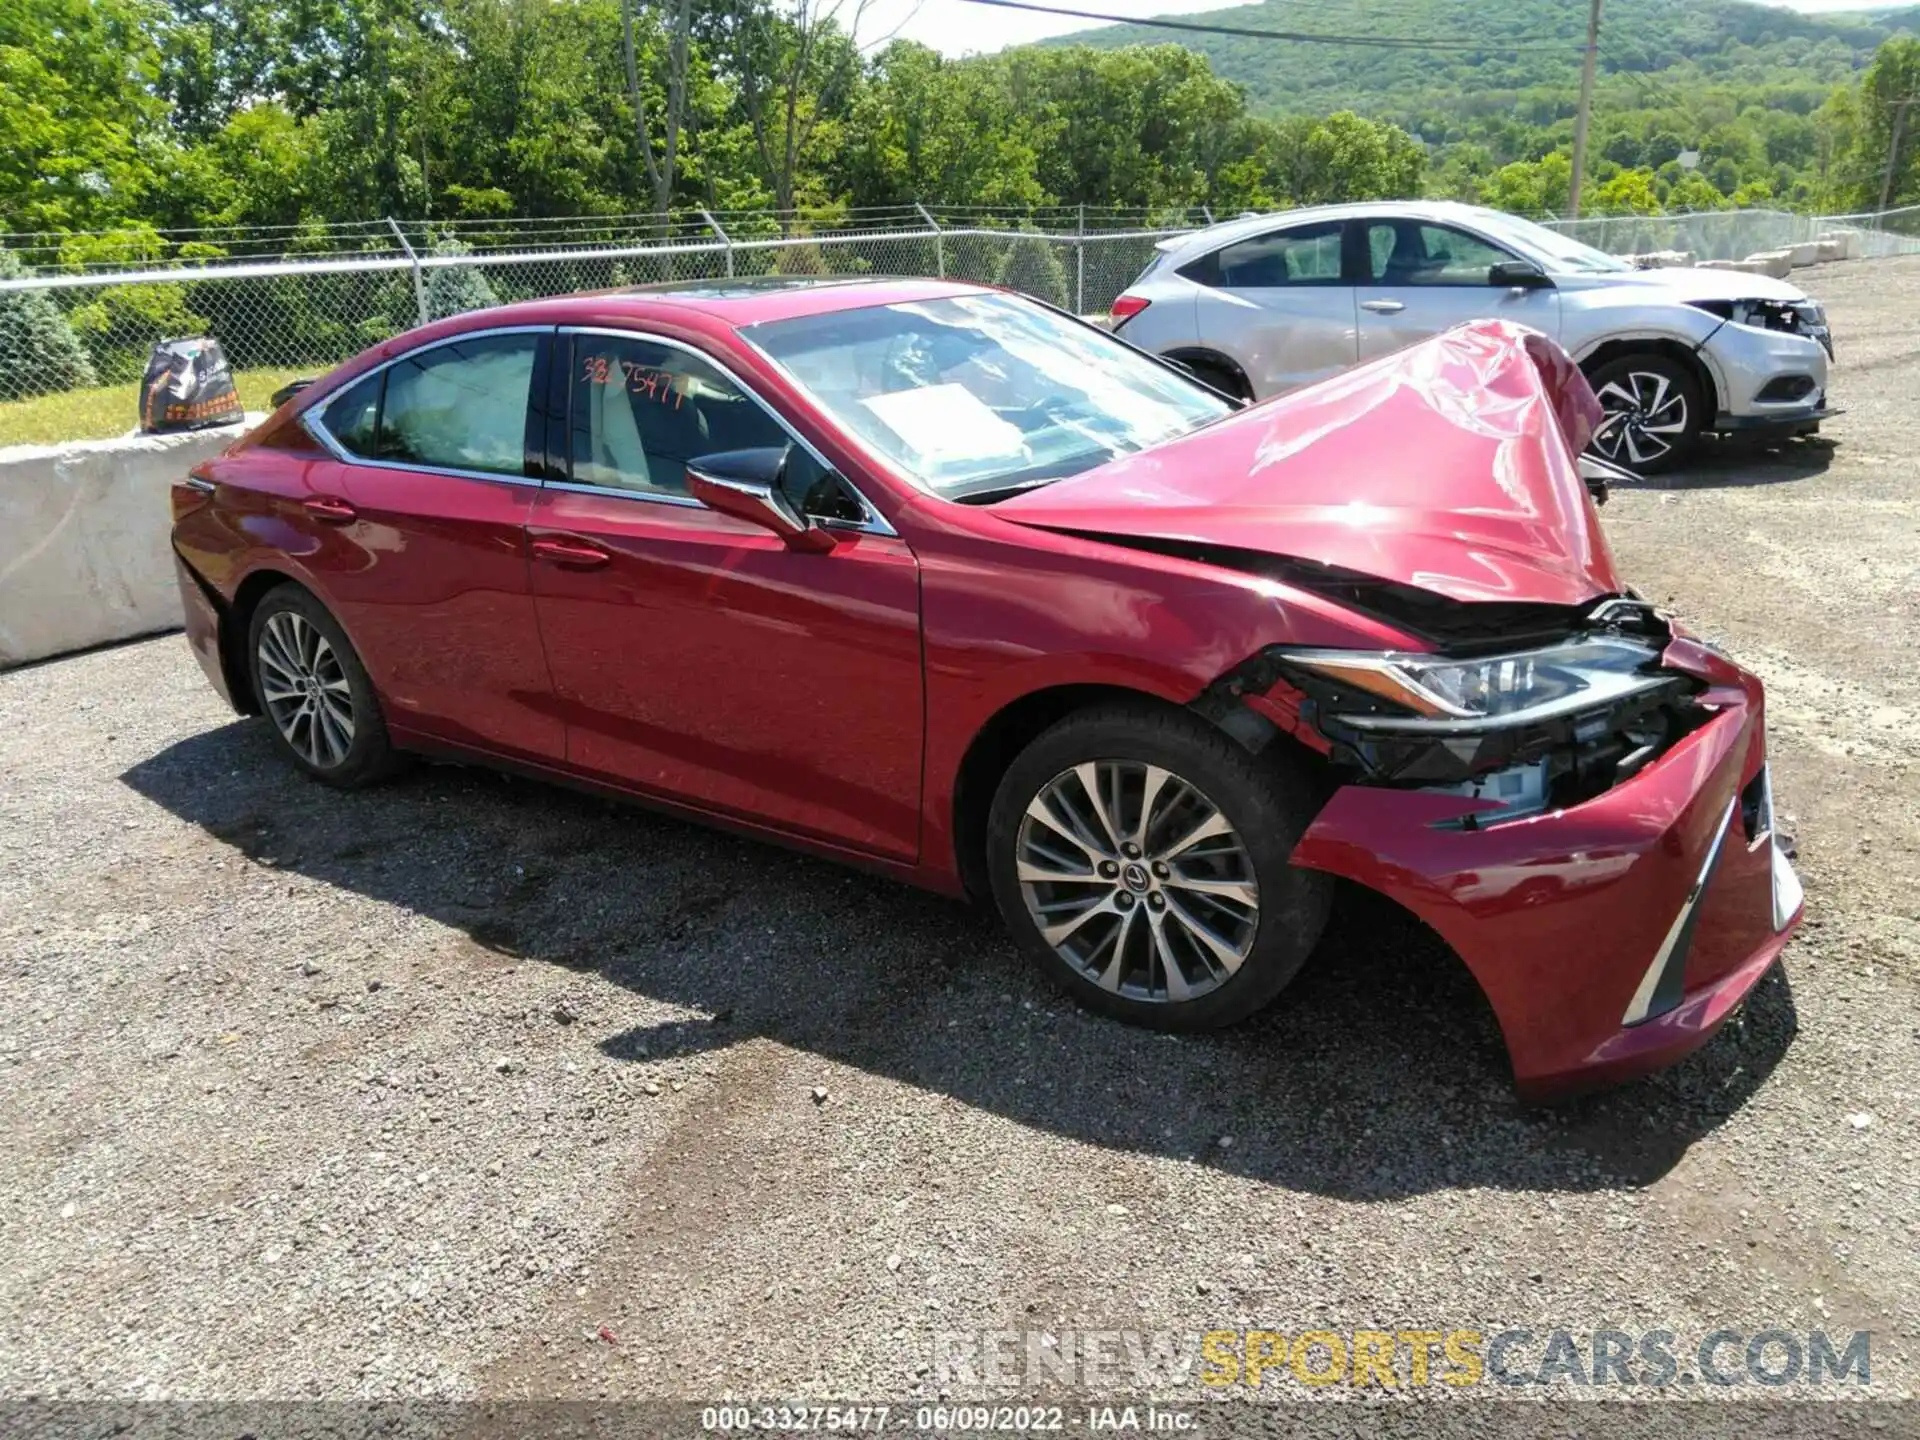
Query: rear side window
[(352, 417), (1307, 255), (460, 406)]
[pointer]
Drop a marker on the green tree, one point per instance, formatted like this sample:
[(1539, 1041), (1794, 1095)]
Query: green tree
[(1033, 267), (82, 138), (1630, 192), (1887, 145), (456, 289), (1345, 157), (39, 353)]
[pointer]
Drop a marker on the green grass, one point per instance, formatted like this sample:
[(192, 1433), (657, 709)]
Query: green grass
[(110, 410)]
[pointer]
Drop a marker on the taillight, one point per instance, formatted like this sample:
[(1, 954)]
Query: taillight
[(1126, 307)]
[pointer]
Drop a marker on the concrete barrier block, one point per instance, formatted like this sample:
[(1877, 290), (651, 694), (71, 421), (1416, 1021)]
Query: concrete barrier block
[(1849, 241), (1805, 253), (1661, 259), (84, 552), (1745, 267), (1771, 262), (1828, 250)]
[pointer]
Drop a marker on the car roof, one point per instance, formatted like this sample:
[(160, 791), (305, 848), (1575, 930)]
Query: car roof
[(735, 303), (1201, 242)]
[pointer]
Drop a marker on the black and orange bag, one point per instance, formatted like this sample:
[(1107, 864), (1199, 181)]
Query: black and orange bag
[(188, 386)]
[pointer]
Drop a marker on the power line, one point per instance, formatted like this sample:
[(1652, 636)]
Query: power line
[(1380, 42)]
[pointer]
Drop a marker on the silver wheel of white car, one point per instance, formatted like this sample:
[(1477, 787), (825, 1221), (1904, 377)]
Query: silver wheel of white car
[(1655, 407)]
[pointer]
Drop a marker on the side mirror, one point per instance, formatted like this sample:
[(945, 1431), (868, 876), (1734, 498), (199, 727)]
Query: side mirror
[(746, 485), (1518, 275)]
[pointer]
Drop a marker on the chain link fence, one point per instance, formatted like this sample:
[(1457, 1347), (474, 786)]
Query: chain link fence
[(79, 314), (1736, 234), (75, 319)]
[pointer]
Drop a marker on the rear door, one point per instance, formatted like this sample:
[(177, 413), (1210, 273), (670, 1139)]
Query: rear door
[(1279, 305), (426, 505), (1420, 277)]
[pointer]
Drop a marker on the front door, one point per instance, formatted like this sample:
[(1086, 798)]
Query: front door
[(1420, 278), (694, 655)]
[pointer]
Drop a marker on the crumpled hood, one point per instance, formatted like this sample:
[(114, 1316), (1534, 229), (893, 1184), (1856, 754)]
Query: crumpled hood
[(1449, 466)]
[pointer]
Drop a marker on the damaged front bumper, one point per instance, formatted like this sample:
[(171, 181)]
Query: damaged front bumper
[(1612, 935)]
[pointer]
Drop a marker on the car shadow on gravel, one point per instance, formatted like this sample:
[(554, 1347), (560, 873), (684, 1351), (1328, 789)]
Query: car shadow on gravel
[(1725, 462), (1379, 1074)]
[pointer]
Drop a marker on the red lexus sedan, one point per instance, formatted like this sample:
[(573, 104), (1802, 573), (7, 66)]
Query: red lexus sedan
[(938, 580)]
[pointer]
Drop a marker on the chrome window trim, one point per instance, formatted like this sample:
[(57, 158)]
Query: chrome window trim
[(874, 524), (314, 425)]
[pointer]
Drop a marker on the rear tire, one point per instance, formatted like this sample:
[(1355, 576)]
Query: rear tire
[(315, 692), (1662, 407), (1126, 912)]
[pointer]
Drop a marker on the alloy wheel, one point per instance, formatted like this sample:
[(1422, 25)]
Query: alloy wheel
[(1138, 880), (1653, 413), (305, 690)]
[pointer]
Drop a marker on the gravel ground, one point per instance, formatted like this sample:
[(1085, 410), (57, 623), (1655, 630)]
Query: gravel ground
[(468, 1087)]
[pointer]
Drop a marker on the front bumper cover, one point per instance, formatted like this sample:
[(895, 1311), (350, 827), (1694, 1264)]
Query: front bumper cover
[(1610, 937)]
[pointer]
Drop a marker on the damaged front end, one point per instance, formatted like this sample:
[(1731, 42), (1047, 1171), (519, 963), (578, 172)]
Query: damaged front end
[(1584, 817), (1528, 709)]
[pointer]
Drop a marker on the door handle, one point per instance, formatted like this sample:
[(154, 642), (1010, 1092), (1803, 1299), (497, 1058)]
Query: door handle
[(570, 553), (1384, 307), (331, 509)]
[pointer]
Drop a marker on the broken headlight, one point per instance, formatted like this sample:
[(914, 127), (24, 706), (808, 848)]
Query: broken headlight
[(1796, 317), (1437, 695)]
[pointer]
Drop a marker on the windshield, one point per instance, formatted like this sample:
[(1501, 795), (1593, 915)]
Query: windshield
[(1567, 253), (977, 395)]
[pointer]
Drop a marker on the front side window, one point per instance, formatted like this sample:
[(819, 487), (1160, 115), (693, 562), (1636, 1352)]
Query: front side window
[(642, 410), (1411, 252), (1308, 255), (973, 395)]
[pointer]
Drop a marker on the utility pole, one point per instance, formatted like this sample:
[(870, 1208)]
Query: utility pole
[(1893, 149), (1586, 110)]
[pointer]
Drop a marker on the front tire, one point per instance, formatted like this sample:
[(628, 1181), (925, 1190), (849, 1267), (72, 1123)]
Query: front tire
[(1660, 409), (1221, 376), (1141, 859), (315, 692)]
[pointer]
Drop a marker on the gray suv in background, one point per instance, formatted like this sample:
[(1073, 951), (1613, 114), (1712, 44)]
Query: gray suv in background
[(1260, 305)]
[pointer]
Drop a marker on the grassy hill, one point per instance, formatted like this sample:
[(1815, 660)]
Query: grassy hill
[(1650, 43)]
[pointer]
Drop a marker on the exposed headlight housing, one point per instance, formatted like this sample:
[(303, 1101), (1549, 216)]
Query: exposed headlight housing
[(1437, 695), (1796, 317)]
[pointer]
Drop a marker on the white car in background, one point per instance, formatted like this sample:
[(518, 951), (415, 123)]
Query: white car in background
[(1260, 305)]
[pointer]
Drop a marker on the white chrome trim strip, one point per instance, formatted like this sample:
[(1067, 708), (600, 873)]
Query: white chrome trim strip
[(1650, 982)]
